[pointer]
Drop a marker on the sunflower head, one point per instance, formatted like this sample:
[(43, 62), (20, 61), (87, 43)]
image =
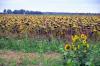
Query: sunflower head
[(74, 38), (84, 41), (83, 36), (67, 47)]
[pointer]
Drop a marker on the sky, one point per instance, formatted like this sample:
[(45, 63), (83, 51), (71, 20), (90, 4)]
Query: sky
[(80, 6)]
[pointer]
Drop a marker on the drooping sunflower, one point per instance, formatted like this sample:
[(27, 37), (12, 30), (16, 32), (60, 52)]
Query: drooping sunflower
[(67, 47)]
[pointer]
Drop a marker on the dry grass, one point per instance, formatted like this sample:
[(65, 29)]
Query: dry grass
[(21, 58)]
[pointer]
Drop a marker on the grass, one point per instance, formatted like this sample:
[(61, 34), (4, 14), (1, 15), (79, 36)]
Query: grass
[(27, 45), (31, 45), (41, 47)]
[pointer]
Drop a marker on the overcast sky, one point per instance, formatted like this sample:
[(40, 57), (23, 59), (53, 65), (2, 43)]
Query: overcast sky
[(92, 6)]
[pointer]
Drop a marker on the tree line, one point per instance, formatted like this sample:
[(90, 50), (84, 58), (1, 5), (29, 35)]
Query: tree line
[(21, 11)]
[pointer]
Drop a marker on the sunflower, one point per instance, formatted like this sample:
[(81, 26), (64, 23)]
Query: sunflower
[(83, 36), (84, 41), (67, 47), (74, 38)]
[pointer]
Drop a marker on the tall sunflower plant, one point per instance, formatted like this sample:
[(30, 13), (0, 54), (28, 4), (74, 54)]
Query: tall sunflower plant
[(76, 53)]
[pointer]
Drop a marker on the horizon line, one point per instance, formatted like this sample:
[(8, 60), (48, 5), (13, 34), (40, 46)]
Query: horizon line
[(48, 11)]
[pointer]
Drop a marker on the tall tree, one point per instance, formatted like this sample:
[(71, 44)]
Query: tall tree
[(9, 11), (5, 11)]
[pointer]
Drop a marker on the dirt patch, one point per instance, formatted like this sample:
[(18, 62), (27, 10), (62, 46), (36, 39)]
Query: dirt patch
[(31, 59), (20, 55), (17, 55)]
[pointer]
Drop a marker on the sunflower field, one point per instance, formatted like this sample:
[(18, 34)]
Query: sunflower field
[(61, 26)]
